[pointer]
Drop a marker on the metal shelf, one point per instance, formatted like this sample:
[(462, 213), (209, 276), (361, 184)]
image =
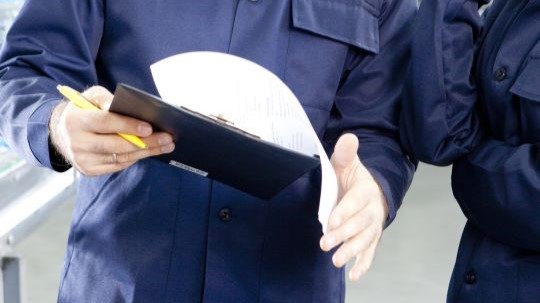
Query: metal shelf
[(28, 196)]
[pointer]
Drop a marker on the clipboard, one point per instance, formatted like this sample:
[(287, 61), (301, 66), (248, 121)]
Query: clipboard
[(213, 148)]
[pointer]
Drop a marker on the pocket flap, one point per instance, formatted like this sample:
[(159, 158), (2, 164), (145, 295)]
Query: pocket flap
[(527, 84), (346, 21)]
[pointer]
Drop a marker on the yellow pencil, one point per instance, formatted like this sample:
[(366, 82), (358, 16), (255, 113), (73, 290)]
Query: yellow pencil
[(76, 98)]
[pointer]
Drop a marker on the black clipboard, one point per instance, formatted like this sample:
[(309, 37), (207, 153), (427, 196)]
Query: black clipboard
[(213, 148)]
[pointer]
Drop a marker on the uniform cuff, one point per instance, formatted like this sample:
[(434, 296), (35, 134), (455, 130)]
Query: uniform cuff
[(38, 137), (387, 191)]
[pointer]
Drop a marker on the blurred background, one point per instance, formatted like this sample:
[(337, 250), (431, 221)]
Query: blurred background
[(413, 263)]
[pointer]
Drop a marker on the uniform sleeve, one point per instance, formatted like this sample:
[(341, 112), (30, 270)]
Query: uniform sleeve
[(367, 103), (51, 42), (438, 122), (498, 186)]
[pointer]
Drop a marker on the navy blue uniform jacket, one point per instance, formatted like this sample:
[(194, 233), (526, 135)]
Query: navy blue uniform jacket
[(155, 233), (473, 100)]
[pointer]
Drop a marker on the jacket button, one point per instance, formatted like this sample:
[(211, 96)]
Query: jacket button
[(225, 214), (470, 277), (500, 74)]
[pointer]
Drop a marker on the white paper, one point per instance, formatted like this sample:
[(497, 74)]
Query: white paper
[(251, 97)]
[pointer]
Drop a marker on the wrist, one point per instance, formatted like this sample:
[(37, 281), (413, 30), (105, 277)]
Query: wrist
[(56, 152)]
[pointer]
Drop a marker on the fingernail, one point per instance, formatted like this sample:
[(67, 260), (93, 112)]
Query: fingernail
[(144, 129), (167, 148), (164, 139)]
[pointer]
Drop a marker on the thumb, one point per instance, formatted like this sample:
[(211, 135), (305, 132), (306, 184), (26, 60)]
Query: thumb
[(345, 152)]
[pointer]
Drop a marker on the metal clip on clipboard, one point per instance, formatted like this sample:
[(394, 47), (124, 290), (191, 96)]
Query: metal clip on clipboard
[(221, 119)]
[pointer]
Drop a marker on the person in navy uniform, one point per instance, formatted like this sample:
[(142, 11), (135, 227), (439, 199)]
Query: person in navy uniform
[(144, 231), (473, 100)]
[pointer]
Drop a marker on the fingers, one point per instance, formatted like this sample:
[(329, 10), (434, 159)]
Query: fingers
[(356, 245), (359, 189), (108, 144), (92, 164), (362, 213), (137, 154), (102, 122), (359, 234), (352, 202), (350, 228), (363, 262)]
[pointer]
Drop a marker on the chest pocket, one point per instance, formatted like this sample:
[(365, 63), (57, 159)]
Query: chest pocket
[(527, 84), (322, 33), (527, 89), (353, 22)]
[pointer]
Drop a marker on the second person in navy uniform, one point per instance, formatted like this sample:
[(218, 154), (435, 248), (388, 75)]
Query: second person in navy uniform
[(473, 100), (144, 231)]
